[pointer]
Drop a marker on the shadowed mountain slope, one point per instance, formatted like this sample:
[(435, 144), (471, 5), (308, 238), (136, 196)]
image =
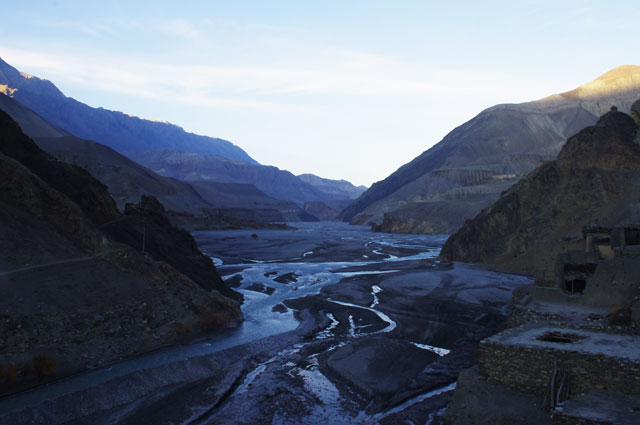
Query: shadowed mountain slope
[(119, 131), (475, 162), (127, 180), (200, 157), (596, 175)]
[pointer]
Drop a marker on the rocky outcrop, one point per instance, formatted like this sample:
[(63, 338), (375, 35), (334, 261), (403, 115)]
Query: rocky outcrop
[(122, 132), (146, 228), (474, 163), (596, 178), (75, 296)]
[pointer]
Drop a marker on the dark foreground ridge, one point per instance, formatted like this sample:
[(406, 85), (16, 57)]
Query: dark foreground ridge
[(77, 296)]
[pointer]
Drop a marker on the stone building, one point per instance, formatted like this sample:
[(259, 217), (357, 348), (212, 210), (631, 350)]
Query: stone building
[(604, 273)]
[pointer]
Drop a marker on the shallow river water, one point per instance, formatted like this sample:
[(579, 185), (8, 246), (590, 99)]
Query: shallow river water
[(314, 254)]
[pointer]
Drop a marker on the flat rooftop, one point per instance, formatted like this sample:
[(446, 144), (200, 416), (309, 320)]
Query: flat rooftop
[(574, 340)]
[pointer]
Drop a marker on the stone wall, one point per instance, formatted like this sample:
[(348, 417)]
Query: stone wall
[(529, 369), (614, 283)]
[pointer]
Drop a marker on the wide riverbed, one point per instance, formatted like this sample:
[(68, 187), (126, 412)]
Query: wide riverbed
[(270, 266), (341, 326)]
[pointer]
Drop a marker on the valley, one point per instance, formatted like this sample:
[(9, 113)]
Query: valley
[(154, 275)]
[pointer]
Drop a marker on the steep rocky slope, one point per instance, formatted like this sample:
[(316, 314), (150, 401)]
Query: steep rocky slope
[(119, 131), (474, 163), (596, 176), (73, 296)]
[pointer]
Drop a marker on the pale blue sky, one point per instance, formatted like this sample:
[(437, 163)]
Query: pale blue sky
[(341, 89)]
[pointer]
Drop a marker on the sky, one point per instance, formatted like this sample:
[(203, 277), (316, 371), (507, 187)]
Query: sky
[(341, 89)]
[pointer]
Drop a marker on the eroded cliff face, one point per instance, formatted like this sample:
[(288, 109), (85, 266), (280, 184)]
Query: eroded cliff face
[(72, 295), (595, 177)]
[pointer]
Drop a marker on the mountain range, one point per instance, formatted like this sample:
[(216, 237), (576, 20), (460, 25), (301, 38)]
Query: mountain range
[(186, 172), (127, 180), (121, 132), (466, 171)]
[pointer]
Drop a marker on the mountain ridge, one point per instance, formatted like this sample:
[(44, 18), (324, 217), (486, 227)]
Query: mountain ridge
[(127, 180), (139, 139), (115, 129), (506, 141)]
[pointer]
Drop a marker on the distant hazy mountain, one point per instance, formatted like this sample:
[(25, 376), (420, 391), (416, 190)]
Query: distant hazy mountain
[(119, 131), (127, 180), (180, 155), (280, 184), (342, 189), (474, 163)]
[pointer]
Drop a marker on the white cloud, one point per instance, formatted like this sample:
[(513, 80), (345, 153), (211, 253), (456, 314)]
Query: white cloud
[(356, 76)]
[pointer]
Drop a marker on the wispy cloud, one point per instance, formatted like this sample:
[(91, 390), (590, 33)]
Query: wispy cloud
[(266, 86)]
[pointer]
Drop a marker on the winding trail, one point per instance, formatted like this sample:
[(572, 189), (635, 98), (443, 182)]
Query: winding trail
[(55, 263)]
